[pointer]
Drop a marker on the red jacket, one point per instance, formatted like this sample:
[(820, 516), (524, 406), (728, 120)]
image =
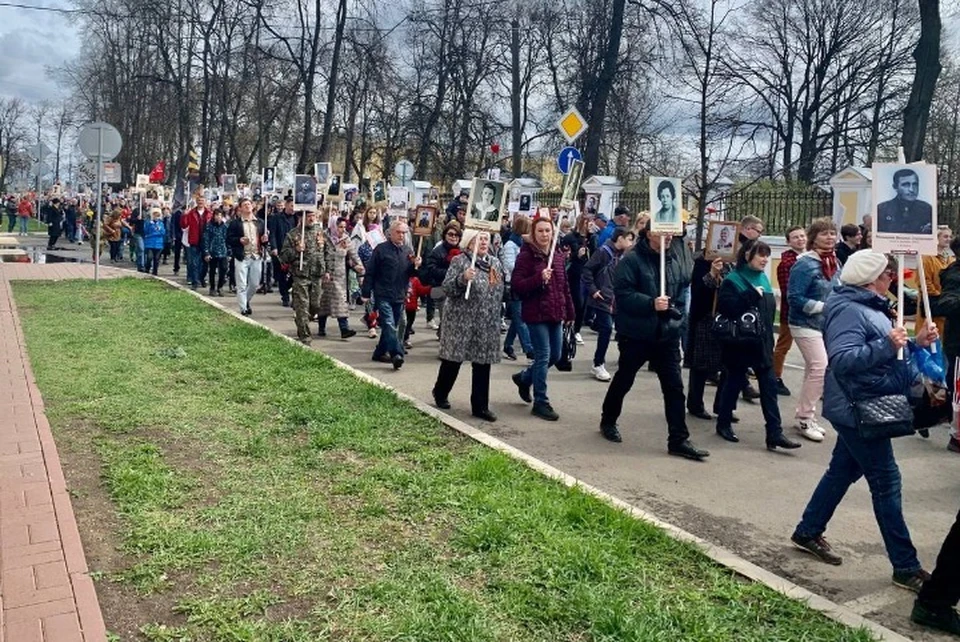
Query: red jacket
[(787, 259), (25, 208), (414, 291), (541, 303), (193, 221)]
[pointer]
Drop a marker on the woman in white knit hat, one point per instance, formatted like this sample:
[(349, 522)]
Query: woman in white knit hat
[(862, 346)]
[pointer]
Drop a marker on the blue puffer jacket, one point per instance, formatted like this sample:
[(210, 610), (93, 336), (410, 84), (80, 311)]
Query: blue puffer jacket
[(859, 352), (808, 290)]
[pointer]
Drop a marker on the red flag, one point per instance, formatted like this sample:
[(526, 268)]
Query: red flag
[(158, 173)]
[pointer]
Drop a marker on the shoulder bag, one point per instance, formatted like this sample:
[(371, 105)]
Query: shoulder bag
[(744, 330), (883, 417)]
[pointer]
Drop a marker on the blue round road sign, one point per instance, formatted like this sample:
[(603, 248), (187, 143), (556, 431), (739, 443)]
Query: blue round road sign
[(566, 157)]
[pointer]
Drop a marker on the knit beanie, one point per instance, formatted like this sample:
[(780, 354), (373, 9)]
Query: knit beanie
[(863, 267)]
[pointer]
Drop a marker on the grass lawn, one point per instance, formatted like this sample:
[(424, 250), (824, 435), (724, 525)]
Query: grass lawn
[(232, 486)]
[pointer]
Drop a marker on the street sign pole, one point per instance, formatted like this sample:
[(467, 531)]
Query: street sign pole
[(96, 251)]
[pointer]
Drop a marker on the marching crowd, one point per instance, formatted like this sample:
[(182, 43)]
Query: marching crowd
[(541, 279)]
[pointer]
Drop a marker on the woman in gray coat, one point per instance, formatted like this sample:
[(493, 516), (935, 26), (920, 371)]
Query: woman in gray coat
[(333, 300), (471, 327)]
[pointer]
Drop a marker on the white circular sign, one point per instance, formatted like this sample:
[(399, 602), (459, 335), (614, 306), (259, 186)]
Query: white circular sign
[(89, 141)]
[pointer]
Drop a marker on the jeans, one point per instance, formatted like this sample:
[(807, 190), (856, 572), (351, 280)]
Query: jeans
[(814, 368), (479, 388), (23, 223), (735, 382), (218, 271), (152, 261), (943, 589), (517, 329), (248, 276), (70, 229), (665, 356), (193, 265), (546, 339), (388, 320), (854, 457), (138, 249), (116, 250), (603, 324), (11, 222)]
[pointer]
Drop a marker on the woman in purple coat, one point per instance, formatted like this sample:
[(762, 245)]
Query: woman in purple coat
[(545, 306)]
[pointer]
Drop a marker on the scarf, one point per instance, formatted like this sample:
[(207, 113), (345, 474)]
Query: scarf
[(516, 238), (755, 278), (829, 264)]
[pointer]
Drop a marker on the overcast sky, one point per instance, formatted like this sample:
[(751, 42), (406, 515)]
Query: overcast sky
[(30, 42), (33, 41)]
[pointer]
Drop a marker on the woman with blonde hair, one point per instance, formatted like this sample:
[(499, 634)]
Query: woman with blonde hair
[(813, 277)]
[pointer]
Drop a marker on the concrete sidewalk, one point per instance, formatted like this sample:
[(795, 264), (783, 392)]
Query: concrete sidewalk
[(46, 593)]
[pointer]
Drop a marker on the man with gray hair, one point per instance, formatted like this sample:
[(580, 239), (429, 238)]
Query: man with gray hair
[(386, 280)]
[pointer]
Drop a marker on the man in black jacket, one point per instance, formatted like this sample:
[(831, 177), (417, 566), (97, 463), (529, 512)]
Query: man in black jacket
[(387, 279), (947, 305), (247, 241), (648, 329), (279, 225)]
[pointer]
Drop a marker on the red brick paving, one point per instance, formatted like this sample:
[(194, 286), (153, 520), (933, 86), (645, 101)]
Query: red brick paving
[(46, 594)]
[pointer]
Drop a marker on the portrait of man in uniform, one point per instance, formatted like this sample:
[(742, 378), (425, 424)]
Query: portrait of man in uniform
[(905, 213)]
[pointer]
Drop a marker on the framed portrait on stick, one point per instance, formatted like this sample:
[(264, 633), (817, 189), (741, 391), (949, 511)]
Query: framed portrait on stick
[(905, 208), (378, 195), (334, 194), (322, 173), (723, 240), (423, 220), (665, 200), (229, 184), (571, 185), (486, 205), (304, 191)]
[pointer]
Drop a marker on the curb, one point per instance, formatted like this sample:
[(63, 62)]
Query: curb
[(718, 554)]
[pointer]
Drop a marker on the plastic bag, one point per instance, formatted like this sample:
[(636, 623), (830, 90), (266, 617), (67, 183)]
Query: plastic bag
[(933, 403)]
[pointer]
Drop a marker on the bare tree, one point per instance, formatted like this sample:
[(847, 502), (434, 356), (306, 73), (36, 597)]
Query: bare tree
[(927, 58), (13, 134)]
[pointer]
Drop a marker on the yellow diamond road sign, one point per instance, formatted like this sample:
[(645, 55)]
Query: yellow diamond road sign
[(572, 125)]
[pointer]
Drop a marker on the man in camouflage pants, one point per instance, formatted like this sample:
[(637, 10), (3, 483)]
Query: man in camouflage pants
[(308, 280)]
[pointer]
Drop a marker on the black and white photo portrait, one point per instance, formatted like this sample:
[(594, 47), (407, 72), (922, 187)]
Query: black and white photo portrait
[(665, 198), (322, 171), (525, 202), (487, 200), (905, 210), (723, 240), (333, 188), (379, 192), (304, 191), (268, 183), (229, 184)]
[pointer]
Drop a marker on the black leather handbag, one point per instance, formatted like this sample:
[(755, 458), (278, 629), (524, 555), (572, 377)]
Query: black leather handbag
[(744, 330), (883, 417)]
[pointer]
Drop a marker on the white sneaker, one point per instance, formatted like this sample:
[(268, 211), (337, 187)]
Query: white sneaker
[(579, 341), (434, 325), (600, 373), (373, 333), (810, 429)]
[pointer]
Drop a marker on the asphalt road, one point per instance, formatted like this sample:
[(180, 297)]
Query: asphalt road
[(743, 497)]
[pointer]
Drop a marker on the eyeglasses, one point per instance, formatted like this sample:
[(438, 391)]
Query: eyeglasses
[(453, 235)]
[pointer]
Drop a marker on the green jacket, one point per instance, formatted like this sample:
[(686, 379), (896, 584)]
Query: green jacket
[(636, 283), (316, 261)]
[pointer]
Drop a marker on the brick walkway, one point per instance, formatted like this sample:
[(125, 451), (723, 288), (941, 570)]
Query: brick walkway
[(46, 594)]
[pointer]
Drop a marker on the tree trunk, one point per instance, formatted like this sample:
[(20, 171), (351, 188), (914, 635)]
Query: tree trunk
[(515, 95), (604, 84), (324, 150), (927, 58)]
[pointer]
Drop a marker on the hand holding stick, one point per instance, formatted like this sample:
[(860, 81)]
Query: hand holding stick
[(926, 299)]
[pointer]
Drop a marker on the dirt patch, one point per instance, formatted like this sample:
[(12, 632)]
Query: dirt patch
[(100, 527)]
